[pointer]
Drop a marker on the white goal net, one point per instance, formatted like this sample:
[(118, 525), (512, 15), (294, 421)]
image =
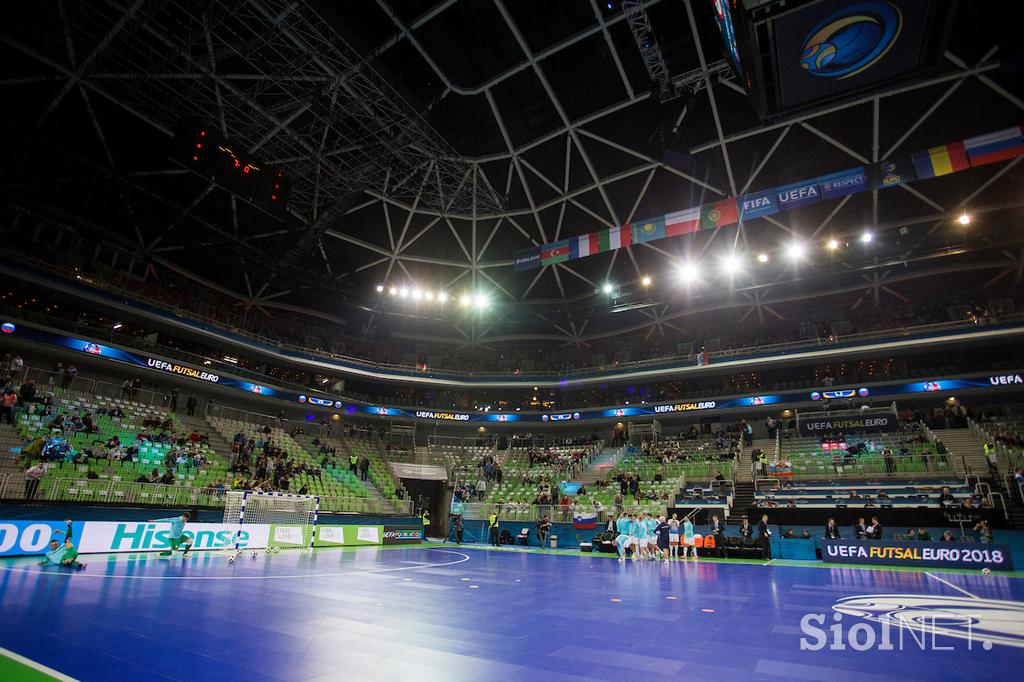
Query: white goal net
[(291, 518)]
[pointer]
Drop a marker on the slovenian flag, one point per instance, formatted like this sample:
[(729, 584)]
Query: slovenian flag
[(586, 520), (942, 160), (998, 146)]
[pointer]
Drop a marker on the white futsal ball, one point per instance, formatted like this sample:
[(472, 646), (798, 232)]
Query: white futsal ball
[(986, 571)]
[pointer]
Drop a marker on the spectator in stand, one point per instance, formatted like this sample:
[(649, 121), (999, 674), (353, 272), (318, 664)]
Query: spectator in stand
[(946, 498), (174, 399), (947, 536), (923, 535), (364, 468), (481, 489), (27, 392), (7, 403), (192, 405), (875, 529), (746, 530), (860, 529), (33, 475)]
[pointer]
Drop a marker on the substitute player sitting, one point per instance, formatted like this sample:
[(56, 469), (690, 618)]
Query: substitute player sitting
[(63, 554), (177, 537)]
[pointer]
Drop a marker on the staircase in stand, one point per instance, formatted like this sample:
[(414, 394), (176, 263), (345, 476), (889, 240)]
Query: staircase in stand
[(742, 501), (964, 447), (600, 466), (744, 469)]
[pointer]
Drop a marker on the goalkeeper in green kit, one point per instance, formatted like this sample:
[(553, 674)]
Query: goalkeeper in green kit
[(63, 554), (176, 538)]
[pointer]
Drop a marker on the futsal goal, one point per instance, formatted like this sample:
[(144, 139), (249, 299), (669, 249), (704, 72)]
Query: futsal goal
[(291, 518)]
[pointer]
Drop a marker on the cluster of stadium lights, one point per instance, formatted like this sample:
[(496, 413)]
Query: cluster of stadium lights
[(689, 273), (732, 264), (480, 301)]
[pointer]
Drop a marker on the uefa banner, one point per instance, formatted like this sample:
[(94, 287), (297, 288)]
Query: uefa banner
[(868, 423), (403, 535), (926, 554)]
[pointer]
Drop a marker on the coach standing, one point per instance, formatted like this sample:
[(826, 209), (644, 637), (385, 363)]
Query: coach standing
[(764, 533)]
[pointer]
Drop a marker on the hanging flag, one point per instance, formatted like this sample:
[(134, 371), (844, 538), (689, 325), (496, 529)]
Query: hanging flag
[(615, 238), (998, 146), (649, 230), (554, 253), (718, 214), (757, 205), (585, 245), (942, 160), (682, 222)]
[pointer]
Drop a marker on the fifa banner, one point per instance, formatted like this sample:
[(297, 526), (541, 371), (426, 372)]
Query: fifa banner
[(868, 423), (403, 535), (19, 538), (926, 554)]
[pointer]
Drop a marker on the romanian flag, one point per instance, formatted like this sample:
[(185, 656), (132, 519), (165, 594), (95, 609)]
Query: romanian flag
[(649, 230), (682, 222), (942, 160), (999, 146), (555, 253), (719, 214), (615, 238)]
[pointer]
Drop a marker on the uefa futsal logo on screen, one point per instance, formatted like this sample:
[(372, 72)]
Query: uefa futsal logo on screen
[(851, 40)]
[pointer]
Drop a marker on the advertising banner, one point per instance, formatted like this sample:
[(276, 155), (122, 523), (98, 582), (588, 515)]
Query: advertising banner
[(403, 535), (336, 536), (31, 537), (869, 423), (21, 538), (927, 554), (108, 536)]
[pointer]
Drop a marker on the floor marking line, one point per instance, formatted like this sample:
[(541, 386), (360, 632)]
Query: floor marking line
[(958, 589), (38, 667), (84, 574)]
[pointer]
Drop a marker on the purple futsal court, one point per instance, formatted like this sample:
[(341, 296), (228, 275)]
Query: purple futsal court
[(456, 613)]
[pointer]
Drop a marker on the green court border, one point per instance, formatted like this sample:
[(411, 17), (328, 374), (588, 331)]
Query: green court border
[(14, 666)]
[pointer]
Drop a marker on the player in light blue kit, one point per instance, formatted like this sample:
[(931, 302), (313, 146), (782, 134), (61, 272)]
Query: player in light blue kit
[(63, 554), (176, 537)]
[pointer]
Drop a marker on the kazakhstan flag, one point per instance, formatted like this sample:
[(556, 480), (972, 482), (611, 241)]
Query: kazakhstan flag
[(649, 230)]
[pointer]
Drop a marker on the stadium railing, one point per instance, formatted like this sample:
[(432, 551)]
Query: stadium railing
[(909, 466), (12, 488), (480, 511)]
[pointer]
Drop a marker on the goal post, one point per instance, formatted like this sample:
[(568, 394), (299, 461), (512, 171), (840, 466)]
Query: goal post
[(291, 518)]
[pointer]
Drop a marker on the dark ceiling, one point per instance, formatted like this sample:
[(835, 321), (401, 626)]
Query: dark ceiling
[(471, 129)]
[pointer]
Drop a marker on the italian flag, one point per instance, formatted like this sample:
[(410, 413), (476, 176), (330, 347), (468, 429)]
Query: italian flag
[(615, 238), (682, 222)]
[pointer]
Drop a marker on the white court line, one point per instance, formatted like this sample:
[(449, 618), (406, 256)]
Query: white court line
[(39, 667), (958, 589), (86, 574)]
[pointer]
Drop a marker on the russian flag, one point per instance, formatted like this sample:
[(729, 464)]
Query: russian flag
[(998, 146), (584, 520)]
